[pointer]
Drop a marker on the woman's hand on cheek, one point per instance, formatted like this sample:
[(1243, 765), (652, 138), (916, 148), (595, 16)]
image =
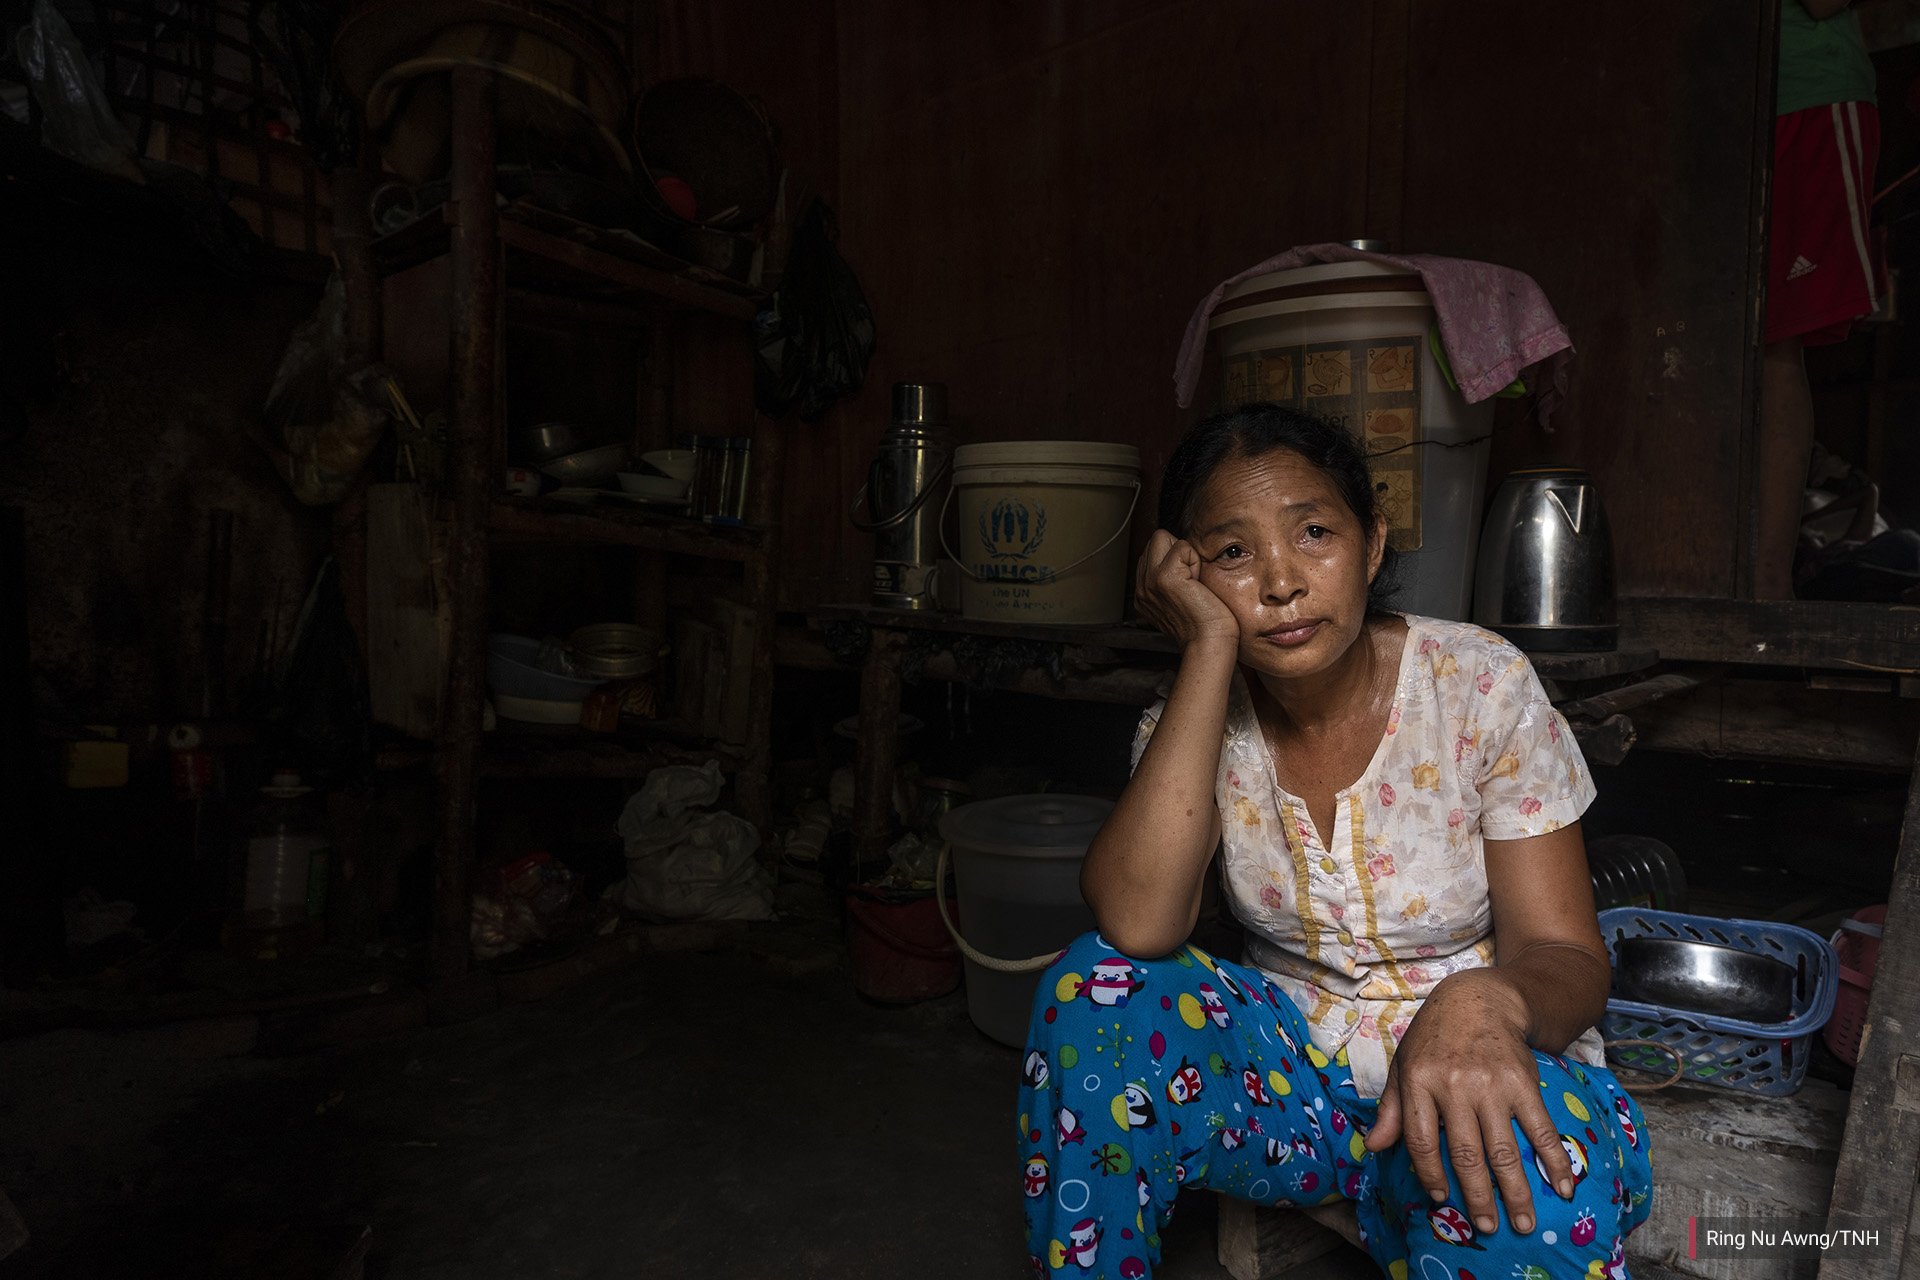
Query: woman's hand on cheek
[(1465, 1069), (1171, 596)]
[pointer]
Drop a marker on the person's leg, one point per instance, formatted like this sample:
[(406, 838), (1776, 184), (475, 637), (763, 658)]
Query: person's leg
[(1605, 1136), (1786, 442), (1142, 1077)]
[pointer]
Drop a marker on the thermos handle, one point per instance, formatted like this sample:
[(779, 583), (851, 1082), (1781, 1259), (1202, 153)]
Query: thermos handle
[(901, 516), (1126, 522)]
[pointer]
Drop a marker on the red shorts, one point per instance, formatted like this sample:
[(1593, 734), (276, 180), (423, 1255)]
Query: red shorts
[(1820, 274)]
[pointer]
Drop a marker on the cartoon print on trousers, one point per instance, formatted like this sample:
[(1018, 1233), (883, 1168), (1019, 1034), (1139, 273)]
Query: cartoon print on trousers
[(1110, 983), (1185, 1085), (1133, 1108), (1230, 1139), (1250, 1078), (1082, 1248), (1216, 1007), (1071, 1130), (1278, 1152), (1584, 1229), (1036, 1176), (1576, 1156), (1623, 1115), (1614, 1267), (1034, 1074), (1233, 988), (1450, 1226)]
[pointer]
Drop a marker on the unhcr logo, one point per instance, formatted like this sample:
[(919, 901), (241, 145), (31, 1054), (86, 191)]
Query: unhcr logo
[(1010, 530)]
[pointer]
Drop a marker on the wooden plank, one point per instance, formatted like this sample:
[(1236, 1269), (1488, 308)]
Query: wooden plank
[(1257, 1243), (651, 282), (1770, 720), (1133, 637), (529, 520), (471, 477), (1593, 666), (1133, 686), (1613, 701), (1792, 633), (1387, 120), (1870, 1190), (876, 749), (1724, 1153)]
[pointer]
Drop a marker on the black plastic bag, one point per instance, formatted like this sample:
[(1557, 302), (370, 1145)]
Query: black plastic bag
[(816, 336)]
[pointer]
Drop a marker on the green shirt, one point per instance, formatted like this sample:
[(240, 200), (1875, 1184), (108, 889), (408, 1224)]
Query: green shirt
[(1821, 61)]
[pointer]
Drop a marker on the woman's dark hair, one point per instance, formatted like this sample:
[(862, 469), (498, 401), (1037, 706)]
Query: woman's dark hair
[(1253, 431)]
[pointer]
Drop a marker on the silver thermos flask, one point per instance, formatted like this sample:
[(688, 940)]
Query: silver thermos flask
[(905, 491)]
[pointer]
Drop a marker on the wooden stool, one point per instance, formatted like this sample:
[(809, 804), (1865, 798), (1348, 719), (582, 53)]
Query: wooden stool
[(1258, 1243)]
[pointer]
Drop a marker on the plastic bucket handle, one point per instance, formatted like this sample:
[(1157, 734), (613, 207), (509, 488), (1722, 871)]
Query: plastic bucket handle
[(1125, 522), (967, 949)]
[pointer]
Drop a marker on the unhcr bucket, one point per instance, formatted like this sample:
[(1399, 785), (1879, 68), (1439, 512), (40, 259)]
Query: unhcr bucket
[(1040, 532)]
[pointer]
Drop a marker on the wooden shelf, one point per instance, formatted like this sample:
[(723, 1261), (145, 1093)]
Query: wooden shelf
[(613, 523), (553, 254), (1133, 637), (1130, 636), (516, 750), (1777, 633)]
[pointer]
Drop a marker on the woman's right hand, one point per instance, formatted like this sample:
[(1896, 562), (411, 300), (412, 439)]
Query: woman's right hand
[(1170, 595)]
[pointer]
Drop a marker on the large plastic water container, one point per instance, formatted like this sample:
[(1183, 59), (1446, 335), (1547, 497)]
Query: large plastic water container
[(1016, 863), (1355, 342)]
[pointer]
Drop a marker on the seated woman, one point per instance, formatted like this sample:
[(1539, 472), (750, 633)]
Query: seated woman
[(1397, 808)]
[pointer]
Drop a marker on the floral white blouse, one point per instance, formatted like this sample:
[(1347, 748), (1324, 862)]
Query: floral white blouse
[(1357, 925)]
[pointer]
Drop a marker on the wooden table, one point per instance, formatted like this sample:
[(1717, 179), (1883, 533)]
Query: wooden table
[(1128, 663)]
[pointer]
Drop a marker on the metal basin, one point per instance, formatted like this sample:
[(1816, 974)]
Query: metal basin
[(589, 466), (1702, 977)]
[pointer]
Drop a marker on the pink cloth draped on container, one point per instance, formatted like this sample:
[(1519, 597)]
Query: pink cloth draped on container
[(1494, 322)]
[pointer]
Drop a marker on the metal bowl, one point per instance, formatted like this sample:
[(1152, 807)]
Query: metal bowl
[(589, 466), (614, 650), (1702, 977)]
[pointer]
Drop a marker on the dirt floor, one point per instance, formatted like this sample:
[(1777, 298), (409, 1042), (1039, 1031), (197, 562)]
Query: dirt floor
[(698, 1115)]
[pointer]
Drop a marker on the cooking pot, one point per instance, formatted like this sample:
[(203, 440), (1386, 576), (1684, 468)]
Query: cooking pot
[(1545, 572)]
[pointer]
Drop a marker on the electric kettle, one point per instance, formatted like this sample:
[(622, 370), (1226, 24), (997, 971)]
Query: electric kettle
[(1545, 573)]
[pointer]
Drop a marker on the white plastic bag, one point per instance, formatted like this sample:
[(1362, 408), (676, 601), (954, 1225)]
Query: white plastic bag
[(76, 119), (684, 862)]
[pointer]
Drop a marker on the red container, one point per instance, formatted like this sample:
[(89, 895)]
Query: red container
[(1859, 954), (901, 951)]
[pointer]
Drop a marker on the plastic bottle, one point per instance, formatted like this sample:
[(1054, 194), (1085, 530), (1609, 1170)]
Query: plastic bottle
[(288, 856)]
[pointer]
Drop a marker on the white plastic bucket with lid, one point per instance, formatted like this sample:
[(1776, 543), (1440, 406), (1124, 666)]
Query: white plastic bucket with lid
[(1041, 529), (1016, 861), (1355, 342)]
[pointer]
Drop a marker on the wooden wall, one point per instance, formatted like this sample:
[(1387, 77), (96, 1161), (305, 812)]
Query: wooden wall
[(1036, 195), (1622, 168)]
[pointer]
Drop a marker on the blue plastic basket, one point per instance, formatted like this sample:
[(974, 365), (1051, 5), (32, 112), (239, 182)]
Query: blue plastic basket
[(1767, 1058)]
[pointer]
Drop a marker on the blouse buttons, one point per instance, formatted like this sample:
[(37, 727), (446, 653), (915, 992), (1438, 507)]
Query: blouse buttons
[(1328, 865), (1346, 939)]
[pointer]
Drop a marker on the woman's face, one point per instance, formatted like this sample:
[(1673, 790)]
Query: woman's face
[(1279, 545)]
